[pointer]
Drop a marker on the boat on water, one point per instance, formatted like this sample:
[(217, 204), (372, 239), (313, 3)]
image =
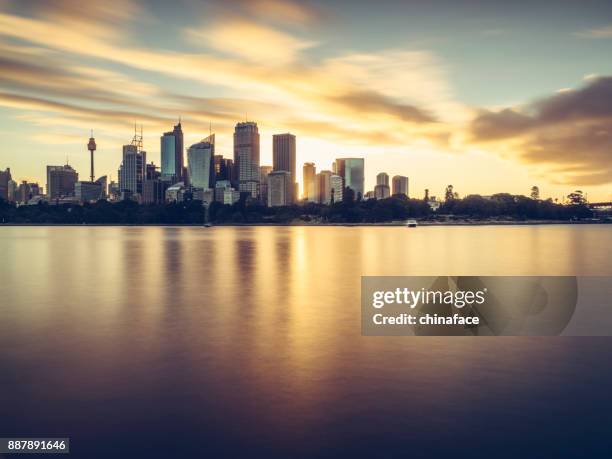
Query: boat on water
[(411, 223)]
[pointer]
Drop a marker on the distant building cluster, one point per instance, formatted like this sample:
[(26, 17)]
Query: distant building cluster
[(208, 176)]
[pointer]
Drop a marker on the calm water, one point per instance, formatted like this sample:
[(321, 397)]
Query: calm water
[(245, 342)]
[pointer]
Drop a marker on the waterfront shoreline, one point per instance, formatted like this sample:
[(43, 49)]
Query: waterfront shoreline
[(320, 224)]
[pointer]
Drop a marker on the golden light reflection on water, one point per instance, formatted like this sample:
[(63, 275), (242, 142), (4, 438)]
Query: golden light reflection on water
[(266, 320)]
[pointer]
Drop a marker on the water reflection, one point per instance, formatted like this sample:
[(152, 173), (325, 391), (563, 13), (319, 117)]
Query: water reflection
[(248, 339)]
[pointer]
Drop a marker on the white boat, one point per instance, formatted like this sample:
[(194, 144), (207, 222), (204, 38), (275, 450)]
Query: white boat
[(411, 223)]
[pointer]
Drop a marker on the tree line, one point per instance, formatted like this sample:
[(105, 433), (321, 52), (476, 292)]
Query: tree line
[(395, 208)]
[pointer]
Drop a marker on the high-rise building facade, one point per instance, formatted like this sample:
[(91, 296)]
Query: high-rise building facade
[(246, 157), (280, 188), (230, 172), (27, 191), (220, 168), (154, 187), (172, 151), (201, 163), (283, 158), (168, 158), (400, 185), (336, 192), (132, 172), (324, 187), (12, 190), (5, 178), (264, 171), (382, 179), (88, 191), (382, 191), (309, 173), (61, 181), (352, 172)]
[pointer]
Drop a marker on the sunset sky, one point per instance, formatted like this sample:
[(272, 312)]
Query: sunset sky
[(487, 96)]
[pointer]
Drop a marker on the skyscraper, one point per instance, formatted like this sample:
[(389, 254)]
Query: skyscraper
[(220, 168), (168, 158), (24, 192), (246, 157), (179, 152), (382, 190), (173, 167), (5, 178), (382, 179), (336, 192), (352, 172), (201, 164), (12, 190), (324, 187), (230, 172), (309, 173), (60, 181), (283, 158), (132, 170), (263, 183), (400, 185), (154, 187), (280, 188)]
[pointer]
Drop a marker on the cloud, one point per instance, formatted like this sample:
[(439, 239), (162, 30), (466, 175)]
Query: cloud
[(396, 91), (569, 133), (108, 11), (250, 41), (372, 102), (285, 11), (599, 32)]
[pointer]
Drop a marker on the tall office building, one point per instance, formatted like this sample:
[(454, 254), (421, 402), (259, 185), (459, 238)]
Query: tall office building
[(61, 181), (27, 191), (89, 191), (283, 158), (220, 168), (382, 179), (12, 190), (132, 170), (280, 188), (400, 185), (264, 171), (154, 187), (230, 172), (246, 157), (352, 172), (24, 192), (337, 190), (168, 157), (5, 178), (324, 187), (382, 190), (309, 173), (201, 163), (172, 167)]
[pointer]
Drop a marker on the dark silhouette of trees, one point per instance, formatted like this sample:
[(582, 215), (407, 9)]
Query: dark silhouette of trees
[(448, 193), (395, 208), (576, 198)]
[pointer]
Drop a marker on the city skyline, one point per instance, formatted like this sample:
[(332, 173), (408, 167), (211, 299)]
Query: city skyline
[(487, 99), (350, 171)]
